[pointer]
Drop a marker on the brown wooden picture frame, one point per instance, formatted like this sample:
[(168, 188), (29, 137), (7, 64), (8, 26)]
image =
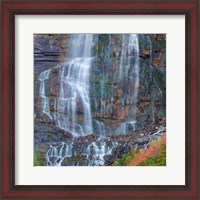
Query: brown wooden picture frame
[(10, 9)]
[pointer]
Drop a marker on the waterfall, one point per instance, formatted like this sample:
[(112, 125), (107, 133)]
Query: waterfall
[(72, 110), (126, 127), (130, 70), (102, 99), (75, 85), (152, 97), (109, 45), (94, 153), (150, 47), (101, 127), (73, 89), (123, 55), (44, 76), (54, 156), (135, 43), (129, 48), (156, 86), (97, 91)]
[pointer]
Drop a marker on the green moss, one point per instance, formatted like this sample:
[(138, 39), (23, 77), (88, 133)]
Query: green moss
[(55, 37), (36, 75), (36, 120), (49, 137), (126, 158), (38, 158), (80, 118)]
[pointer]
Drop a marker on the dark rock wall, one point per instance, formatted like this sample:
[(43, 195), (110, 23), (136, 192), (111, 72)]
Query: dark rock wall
[(114, 105), (49, 51), (116, 100)]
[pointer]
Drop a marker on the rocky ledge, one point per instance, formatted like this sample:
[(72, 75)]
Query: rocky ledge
[(100, 151)]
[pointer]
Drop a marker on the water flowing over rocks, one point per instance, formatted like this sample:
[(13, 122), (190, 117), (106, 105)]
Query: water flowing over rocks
[(97, 95), (102, 151)]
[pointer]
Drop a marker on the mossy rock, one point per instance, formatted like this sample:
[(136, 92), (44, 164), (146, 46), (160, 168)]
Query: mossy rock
[(39, 158)]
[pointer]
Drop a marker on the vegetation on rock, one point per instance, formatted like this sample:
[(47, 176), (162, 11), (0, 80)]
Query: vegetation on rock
[(97, 97), (38, 158), (153, 155)]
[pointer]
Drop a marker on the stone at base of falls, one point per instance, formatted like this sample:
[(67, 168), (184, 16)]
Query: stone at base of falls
[(110, 159), (81, 159), (92, 151), (45, 133)]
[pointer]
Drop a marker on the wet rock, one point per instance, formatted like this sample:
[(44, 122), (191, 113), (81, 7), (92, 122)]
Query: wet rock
[(104, 151), (112, 107)]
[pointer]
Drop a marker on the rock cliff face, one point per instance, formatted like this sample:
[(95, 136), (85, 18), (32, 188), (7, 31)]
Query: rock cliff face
[(126, 84), (49, 51), (99, 84)]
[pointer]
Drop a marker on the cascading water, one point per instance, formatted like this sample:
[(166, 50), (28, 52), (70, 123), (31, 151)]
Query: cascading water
[(156, 87), (123, 56), (44, 76), (74, 88), (129, 74), (150, 48), (93, 153), (81, 113), (135, 84)]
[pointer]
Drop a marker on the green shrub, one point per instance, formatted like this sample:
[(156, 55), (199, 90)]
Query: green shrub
[(38, 158), (126, 158)]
